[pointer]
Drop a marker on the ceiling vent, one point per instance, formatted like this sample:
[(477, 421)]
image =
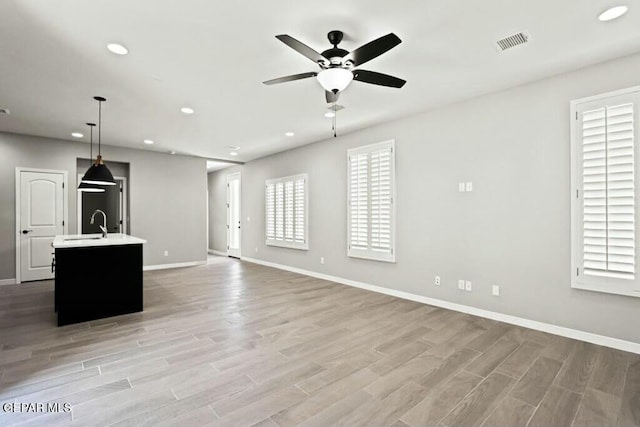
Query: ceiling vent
[(513, 41), (4, 111)]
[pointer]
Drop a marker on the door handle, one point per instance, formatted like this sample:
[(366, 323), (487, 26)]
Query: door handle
[(26, 231)]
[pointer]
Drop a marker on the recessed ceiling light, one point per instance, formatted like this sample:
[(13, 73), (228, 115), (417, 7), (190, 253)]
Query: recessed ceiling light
[(148, 141), (289, 133), (76, 134), (329, 114), (233, 153), (118, 49), (187, 110), (613, 13)]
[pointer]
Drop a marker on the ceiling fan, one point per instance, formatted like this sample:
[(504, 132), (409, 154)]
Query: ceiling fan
[(337, 65)]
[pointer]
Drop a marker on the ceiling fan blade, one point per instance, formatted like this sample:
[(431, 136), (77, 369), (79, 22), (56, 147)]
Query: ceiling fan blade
[(377, 78), (372, 49), (331, 97), (290, 78), (302, 48)]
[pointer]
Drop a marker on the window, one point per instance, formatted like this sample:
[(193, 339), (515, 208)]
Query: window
[(371, 213), (286, 212), (605, 194)]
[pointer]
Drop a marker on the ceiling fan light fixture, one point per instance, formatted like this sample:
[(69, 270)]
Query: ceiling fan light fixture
[(335, 79)]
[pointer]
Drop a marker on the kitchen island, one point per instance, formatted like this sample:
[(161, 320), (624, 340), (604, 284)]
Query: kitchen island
[(97, 277)]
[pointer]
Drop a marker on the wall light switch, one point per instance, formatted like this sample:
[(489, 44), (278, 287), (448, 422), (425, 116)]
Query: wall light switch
[(248, 219), (166, 253), (495, 290), (469, 186), (256, 250), (461, 187), (461, 284), (467, 286), (321, 260)]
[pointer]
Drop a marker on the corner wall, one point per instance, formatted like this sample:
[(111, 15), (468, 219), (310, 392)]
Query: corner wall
[(513, 230)]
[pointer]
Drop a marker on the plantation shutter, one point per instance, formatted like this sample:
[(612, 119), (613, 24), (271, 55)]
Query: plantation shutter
[(270, 207), (609, 191), (286, 212), (300, 210), (370, 202)]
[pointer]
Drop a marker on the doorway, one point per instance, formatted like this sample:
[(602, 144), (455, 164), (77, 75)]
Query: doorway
[(41, 214), (113, 202), (233, 215)]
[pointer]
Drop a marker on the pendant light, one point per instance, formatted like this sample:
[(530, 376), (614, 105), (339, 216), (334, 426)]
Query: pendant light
[(90, 188), (98, 173)]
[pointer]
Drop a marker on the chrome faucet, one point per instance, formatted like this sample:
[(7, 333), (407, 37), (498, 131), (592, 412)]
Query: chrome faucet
[(103, 227)]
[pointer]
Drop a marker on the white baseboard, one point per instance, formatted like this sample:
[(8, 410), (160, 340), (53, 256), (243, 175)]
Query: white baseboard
[(176, 265), (7, 282), (619, 344), (214, 252)]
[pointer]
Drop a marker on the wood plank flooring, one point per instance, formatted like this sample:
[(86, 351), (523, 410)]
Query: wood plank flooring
[(238, 344)]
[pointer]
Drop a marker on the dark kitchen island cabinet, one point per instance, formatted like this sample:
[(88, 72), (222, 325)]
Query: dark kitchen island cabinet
[(97, 277)]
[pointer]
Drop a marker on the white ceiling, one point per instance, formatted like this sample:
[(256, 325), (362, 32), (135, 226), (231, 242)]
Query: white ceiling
[(214, 55)]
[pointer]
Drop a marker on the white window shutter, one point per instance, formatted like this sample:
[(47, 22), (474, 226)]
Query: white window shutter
[(370, 202), (608, 186), (286, 212), (300, 211), (359, 201), (270, 207), (604, 149)]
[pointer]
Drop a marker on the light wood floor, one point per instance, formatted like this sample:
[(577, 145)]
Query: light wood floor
[(232, 343)]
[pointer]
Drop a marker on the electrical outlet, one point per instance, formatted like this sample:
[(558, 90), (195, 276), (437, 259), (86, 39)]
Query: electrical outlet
[(321, 260), (469, 186), (467, 286), (437, 281), (248, 219), (166, 253), (461, 284), (495, 290), (461, 187)]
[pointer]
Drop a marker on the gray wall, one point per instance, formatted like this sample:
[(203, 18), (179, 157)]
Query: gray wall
[(167, 196), (512, 230)]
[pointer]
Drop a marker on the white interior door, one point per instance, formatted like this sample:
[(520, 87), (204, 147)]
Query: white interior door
[(41, 217), (233, 215)]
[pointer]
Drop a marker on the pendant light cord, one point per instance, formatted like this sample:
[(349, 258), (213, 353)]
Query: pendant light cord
[(91, 142), (99, 127), (335, 120)]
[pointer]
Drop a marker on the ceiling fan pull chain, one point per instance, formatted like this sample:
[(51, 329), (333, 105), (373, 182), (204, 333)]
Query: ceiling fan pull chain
[(335, 120)]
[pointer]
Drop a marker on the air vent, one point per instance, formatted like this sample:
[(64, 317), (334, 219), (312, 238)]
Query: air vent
[(513, 41), (4, 111)]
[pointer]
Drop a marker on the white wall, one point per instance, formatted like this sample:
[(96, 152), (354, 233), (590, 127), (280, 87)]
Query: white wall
[(512, 230), (167, 196)]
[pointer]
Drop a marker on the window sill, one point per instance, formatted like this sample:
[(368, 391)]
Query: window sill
[(615, 290), (288, 245)]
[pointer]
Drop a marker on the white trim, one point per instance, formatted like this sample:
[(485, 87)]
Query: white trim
[(619, 344), (17, 200), (175, 265), (7, 282), (214, 252)]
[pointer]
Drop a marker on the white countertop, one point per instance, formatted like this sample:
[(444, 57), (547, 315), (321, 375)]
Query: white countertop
[(86, 240)]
